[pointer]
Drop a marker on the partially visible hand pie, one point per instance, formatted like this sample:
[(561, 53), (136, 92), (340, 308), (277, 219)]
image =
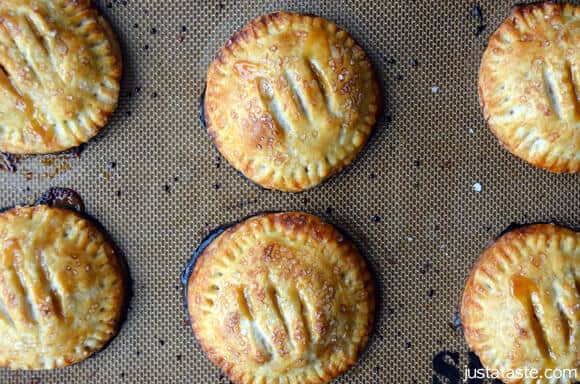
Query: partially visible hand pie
[(60, 68), (61, 288), (281, 298), (521, 306), (529, 85), (290, 100)]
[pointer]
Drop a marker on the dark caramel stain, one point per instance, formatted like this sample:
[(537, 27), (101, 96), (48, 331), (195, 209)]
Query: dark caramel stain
[(478, 15), (59, 161), (202, 110), (62, 197)]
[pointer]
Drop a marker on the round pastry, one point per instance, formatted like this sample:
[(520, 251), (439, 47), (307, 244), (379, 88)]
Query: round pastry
[(281, 298), (60, 68), (61, 288), (290, 100), (529, 85), (521, 306)]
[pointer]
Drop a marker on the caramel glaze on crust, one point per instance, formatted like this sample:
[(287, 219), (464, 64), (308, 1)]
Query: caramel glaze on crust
[(290, 100), (529, 85), (521, 305), (281, 298), (62, 288), (60, 69)]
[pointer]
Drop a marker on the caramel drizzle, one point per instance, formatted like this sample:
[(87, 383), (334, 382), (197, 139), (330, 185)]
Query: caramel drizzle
[(264, 332), (562, 95), (322, 83), (304, 315), (48, 283), (551, 91), (44, 45), (275, 300), (575, 88), (297, 95), (246, 309), (305, 103), (30, 293), (4, 315), (567, 325), (12, 262), (527, 293), (38, 129), (273, 105)]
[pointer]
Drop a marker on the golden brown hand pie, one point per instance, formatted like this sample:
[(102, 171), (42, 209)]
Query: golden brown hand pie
[(529, 85), (290, 100), (521, 306), (281, 298), (61, 288), (60, 68)]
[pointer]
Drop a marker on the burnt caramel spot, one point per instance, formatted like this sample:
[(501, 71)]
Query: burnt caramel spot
[(8, 162), (73, 153), (62, 197)]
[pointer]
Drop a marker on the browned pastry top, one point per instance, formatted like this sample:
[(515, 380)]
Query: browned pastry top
[(61, 288), (291, 99), (529, 85), (281, 298), (60, 68), (521, 306)]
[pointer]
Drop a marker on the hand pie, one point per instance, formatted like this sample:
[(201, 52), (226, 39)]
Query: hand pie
[(60, 68), (61, 288), (290, 100), (281, 298), (529, 85), (521, 306)]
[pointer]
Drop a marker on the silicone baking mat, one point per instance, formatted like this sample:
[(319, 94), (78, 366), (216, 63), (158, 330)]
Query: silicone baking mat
[(156, 183)]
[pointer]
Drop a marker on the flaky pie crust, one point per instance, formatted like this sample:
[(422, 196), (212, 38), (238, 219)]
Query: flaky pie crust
[(60, 68), (529, 85), (61, 288), (521, 305), (281, 298), (291, 99)]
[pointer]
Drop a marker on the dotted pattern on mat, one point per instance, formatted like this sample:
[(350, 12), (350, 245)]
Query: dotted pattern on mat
[(408, 201)]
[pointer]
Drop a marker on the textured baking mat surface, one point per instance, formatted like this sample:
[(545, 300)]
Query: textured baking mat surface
[(156, 183)]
